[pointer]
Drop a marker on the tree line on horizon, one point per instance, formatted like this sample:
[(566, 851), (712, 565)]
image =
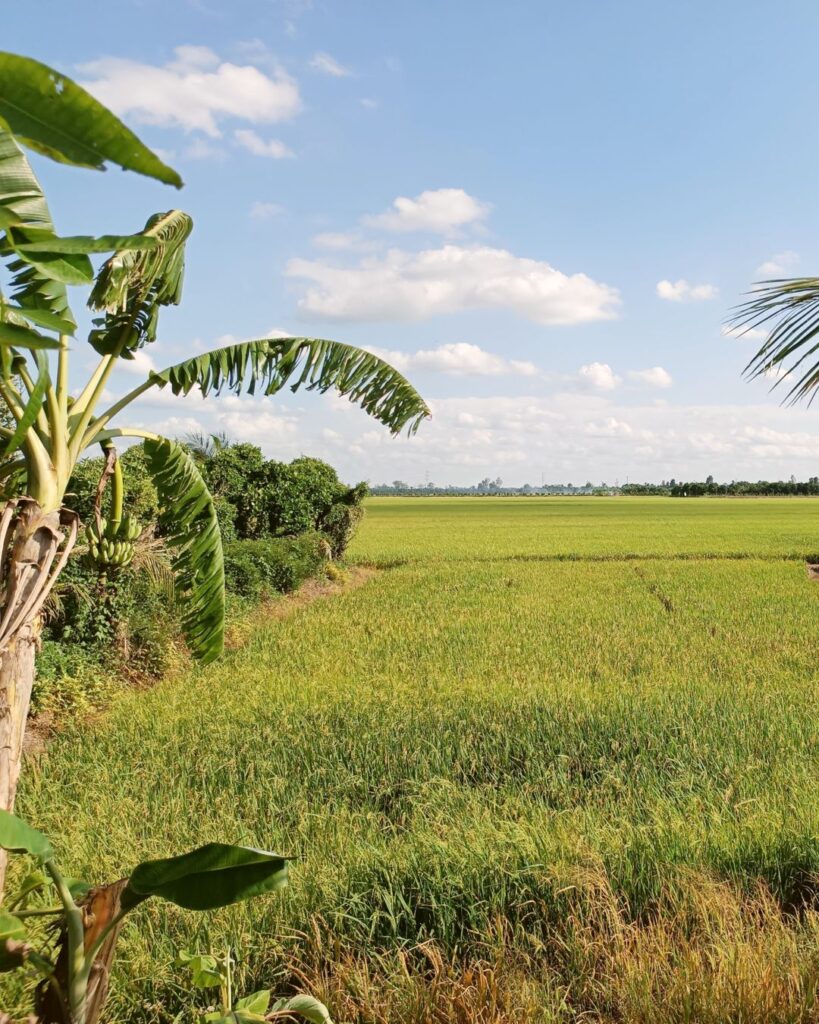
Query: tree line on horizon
[(669, 488)]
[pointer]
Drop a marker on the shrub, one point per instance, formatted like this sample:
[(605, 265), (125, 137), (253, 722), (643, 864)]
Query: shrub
[(339, 526), (254, 568), (299, 494), (101, 625), (235, 475), (70, 678)]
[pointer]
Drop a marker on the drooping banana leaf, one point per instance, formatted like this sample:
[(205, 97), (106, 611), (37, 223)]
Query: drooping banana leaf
[(188, 520), (316, 364)]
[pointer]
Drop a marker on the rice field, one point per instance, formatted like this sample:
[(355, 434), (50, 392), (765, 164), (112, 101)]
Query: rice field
[(555, 761)]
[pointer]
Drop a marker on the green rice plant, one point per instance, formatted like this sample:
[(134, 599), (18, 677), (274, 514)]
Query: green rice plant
[(541, 769)]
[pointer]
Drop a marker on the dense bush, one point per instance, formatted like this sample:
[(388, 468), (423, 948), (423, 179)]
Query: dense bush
[(254, 568), (279, 499)]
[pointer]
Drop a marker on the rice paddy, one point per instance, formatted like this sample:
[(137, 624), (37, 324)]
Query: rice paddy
[(555, 761)]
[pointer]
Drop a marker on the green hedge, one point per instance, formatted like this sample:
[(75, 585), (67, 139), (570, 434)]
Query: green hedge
[(254, 568)]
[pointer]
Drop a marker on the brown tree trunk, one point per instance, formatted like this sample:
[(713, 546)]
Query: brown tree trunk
[(30, 561), (99, 908), (16, 680)]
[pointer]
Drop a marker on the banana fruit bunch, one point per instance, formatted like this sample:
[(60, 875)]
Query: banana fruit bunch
[(113, 543)]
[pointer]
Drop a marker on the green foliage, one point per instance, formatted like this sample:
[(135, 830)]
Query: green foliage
[(208, 878), (188, 521), (141, 499), (208, 972), (789, 309), (235, 474), (340, 524), (73, 679), (212, 876), (282, 499), (257, 568), (16, 836), (54, 116), (300, 494), (313, 363), (134, 284), (37, 285)]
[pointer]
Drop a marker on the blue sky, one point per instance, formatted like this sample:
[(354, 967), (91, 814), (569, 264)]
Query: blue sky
[(542, 211)]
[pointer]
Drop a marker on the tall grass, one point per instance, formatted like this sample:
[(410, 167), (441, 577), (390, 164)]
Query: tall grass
[(515, 790)]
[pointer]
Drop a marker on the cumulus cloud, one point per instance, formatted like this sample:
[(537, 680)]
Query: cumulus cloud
[(780, 265), (255, 144), (654, 377), (442, 211), (412, 286), (682, 291), (459, 359), (195, 91), (344, 241), (327, 65), (140, 366), (599, 376), (586, 434), (261, 210), (744, 334)]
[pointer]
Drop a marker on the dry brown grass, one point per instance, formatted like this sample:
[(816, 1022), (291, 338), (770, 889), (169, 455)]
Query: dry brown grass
[(710, 956)]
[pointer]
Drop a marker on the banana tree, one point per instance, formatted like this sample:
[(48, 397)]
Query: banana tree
[(52, 427)]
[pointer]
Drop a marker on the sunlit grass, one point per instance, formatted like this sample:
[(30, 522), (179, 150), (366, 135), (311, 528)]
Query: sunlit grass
[(587, 787)]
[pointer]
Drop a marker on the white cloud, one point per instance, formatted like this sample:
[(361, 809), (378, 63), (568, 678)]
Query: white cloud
[(258, 146), (261, 210), (459, 359), (441, 211), (746, 334), (779, 265), (369, 104), (654, 376), (682, 291), (327, 65), (344, 241), (140, 366), (571, 436), (599, 376), (194, 91), (610, 427), (412, 286), (202, 149)]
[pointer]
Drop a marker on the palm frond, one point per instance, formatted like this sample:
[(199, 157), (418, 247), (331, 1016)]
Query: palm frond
[(188, 520), (791, 349), (316, 364), (134, 283), (152, 558)]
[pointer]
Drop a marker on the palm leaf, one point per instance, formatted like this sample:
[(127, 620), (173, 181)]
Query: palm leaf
[(792, 345), (54, 116), (314, 363), (135, 282), (188, 520)]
